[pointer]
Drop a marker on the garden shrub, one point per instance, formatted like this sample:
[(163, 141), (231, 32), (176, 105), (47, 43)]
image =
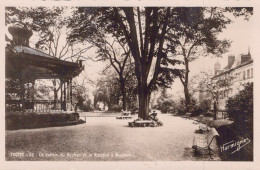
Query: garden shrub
[(74, 116), (208, 114), (181, 110), (196, 110), (43, 119), (240, 108), (180, 107), (116, 108), (205, 106), (86, 107), (167, 106), (201, 108)]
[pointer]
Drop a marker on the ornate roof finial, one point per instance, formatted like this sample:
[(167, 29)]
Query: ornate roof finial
[(20, 35)]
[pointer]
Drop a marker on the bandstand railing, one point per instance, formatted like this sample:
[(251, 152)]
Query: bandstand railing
[(37, 105)]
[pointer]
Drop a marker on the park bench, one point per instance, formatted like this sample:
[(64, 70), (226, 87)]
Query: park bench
[(142, 123), (202, 143), (204, 127), (125, 115)]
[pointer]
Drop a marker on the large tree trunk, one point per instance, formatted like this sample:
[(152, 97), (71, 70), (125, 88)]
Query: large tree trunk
[(187, 98), (186, 85), (143, 51), (109, 106), (123, 91), (144, 100), (95, 102), (55, 97), (215, 108)]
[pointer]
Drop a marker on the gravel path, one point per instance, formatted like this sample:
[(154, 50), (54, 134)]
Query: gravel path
[(105, 139)]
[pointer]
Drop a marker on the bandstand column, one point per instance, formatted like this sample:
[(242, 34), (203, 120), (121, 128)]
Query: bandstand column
[(70, 80), (28, 91), (65, 97), (61, 94), (68, 90), (22, 90), (33, 90)]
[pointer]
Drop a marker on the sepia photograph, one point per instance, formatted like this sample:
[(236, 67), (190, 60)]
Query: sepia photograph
[(130, 83)]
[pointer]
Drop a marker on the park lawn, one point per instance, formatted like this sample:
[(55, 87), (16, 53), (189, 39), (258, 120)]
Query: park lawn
[(106, 139)]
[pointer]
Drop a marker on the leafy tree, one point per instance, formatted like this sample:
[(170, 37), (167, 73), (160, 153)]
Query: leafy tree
[(150, 35), (213, 85), (143, 30), (108, 48), (201, 108), (107, 91), (80, 95), (194, 33), (131, 91), (12, 89), (240, 107), (164, 102)]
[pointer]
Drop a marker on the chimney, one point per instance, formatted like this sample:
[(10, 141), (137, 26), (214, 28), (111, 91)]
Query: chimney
[(231, 60), (21, 36), (246, 57)]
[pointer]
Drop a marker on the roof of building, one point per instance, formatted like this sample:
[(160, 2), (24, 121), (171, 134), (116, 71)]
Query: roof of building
[(234, 68), (235, 63)]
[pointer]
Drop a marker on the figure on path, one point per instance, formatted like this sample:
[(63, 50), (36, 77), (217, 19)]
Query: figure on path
[(153, 116)]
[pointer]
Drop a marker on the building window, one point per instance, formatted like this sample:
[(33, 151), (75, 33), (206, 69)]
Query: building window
[(251, 72), (239, 76), (244, 75), (248, 73)]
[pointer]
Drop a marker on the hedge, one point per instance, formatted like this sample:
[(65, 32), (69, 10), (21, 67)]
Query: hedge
[(19, 120)]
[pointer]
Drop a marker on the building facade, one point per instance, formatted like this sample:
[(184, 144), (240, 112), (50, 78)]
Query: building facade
[(237, 73)]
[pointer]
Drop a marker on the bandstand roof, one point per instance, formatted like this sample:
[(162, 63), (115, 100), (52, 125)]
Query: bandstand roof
[(31, 64), (28, 50), (38, 65)]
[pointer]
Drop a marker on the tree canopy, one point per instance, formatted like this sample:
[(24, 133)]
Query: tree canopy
[(153, 35)]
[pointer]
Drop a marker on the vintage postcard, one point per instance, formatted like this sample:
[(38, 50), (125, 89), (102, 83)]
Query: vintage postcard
[(129, 85)]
